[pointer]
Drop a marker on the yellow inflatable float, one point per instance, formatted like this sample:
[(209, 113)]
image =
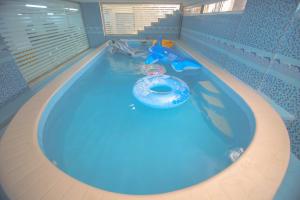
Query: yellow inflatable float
[(164, 43)]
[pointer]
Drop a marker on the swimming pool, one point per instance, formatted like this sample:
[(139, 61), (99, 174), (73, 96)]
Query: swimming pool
[(97, 132), (26, 173)]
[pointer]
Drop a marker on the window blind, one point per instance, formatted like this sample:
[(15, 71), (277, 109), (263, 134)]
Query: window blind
[(132, 18), (225, 6), (218, 7), (41, 35)]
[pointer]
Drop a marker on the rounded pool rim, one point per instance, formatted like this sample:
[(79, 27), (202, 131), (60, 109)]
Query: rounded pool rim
[(26, 172)]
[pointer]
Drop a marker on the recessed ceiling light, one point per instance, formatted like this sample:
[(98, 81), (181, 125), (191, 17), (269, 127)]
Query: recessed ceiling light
[(35, 6), (71, 9)]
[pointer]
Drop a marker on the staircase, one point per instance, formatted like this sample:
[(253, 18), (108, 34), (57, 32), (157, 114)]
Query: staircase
[(130, 19), (168, 26)]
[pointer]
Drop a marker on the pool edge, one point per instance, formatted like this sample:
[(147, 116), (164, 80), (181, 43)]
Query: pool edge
[(26, 173)]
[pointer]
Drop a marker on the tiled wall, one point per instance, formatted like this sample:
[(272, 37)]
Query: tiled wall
[(260, 46), (93, 23), (222, 25), (11, 81), (264, 22)]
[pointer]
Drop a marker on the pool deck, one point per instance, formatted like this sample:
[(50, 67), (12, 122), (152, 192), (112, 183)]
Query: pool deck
[(26, 174)]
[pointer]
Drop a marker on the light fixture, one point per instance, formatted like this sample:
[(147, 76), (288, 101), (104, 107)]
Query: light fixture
[(50, 13), (35, 6), (71, 9), (20, 14)]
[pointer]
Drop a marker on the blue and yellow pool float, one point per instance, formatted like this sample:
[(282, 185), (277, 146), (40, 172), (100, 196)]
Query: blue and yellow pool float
[(160, 53), (164, 43)]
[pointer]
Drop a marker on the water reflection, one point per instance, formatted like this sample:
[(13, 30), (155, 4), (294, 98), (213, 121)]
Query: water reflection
[(219, 122), (209, 101), (209, 87), (125, 65), (212, 100)]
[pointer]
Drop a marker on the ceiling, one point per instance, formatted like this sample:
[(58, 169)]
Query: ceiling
[(184, 2)]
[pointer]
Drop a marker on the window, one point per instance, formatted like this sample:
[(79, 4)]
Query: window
[(225, 6), (192, 10), (41, 35), (132, 18), (218, 7)]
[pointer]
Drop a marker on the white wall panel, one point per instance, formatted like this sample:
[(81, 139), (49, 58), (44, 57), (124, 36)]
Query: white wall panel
[(41, 35)]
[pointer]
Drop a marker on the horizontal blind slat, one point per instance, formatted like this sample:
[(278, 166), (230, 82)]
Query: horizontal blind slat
[(42, 39)]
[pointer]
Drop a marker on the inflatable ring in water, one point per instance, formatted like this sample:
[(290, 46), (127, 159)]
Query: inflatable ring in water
[(161, 91), (153, 70)]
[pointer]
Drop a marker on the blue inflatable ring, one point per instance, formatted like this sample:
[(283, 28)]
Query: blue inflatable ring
[(161, 91)]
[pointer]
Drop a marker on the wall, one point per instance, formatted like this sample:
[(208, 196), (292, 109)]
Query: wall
[(222, 25), (40, 39), (11, 81), (35, 41), (264, 22), (260, 46), (93, 23)]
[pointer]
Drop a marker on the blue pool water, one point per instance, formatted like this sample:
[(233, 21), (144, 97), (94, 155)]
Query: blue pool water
[(161, 88), (96, 131)]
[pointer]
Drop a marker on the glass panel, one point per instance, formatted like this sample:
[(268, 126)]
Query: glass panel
[(41, 35), (225, 6), (192, 10)]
